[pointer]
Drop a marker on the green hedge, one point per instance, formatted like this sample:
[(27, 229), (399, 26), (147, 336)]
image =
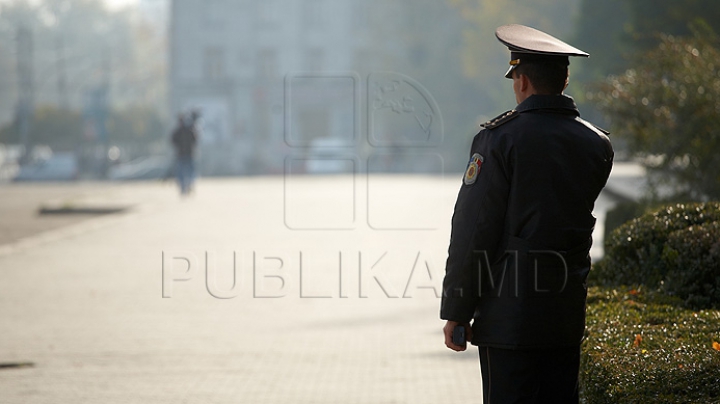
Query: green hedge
[(676, 249), (643, 347), (622, 213), (693, 257)]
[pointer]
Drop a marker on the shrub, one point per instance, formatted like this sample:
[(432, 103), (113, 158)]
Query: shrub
[(693, 258), (622, 213), (675, 249), (667, 107), (643, 347), (626, 210)]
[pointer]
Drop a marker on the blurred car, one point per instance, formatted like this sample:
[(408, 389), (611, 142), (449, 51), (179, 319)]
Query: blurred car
[(145, 168), (57, 167)]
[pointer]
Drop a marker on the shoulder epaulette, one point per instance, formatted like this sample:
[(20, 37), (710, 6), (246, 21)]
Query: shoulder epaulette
[(593, 126), (601, 129), (500, 119)]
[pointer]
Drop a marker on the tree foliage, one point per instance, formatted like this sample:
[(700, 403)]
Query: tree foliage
[(58, 128), (66, 130), (135, 125), (484, 59), (616, 32), (601, 31), (78, 46), (668, 109), (649, 17)]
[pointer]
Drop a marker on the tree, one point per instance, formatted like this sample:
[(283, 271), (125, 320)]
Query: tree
[(79, 46), (616, 32), (61, 129), (649, 17), (668, 109), (66, 130), (601, 32), (136, 125), (484, 59)]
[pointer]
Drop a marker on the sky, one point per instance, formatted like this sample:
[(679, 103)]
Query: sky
[(115, 4)]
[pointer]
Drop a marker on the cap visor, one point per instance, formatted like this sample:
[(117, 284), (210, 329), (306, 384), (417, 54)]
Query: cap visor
[(508, 75)]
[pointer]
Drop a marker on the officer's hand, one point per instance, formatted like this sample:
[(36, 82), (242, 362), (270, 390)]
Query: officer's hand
[(448, 330)]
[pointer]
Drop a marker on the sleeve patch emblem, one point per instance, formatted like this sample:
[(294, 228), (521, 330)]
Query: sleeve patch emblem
[(473, 169)]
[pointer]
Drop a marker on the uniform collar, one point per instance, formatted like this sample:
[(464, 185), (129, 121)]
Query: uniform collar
[(557, 102)]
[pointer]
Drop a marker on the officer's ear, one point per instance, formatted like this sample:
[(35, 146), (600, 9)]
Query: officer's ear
[(525, 83)]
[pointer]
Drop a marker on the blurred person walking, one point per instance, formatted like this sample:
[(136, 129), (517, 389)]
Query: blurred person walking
[(184, 140)]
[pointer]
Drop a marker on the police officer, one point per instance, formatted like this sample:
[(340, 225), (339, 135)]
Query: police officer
[(521, 231)]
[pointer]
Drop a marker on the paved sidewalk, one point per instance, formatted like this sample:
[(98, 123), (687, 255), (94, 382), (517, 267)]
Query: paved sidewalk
[(309, 321), (334, 299), (22, 204)]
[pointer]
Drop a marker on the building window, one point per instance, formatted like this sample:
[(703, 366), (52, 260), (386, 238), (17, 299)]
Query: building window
[(268, 12), (363, 61), (243, 63), (215, 14), (214, 59), (267, 64), (314, 60), (361, 16), (314, 13)]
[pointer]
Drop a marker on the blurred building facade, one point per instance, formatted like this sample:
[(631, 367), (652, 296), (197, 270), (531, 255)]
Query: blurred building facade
[(274, 78)]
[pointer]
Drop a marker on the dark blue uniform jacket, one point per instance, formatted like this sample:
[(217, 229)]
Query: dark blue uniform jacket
[(522, 227)]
